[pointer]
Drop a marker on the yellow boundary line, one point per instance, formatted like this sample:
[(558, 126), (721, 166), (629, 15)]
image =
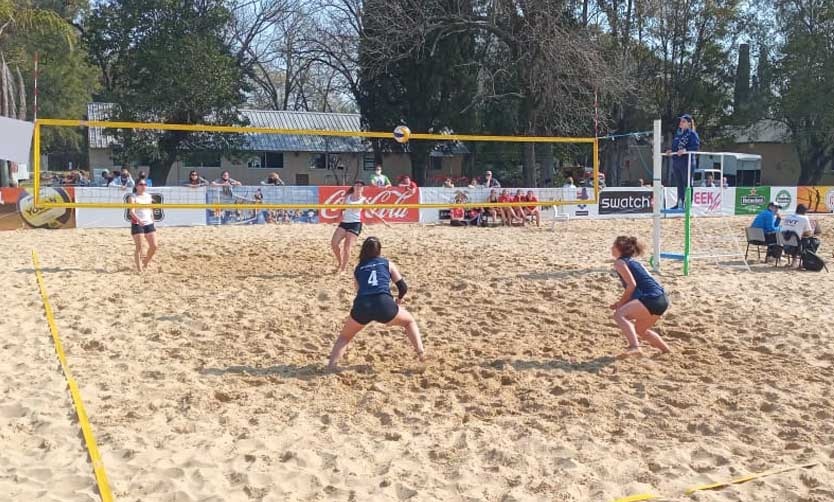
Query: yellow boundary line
[(722, 484), (87, 431)]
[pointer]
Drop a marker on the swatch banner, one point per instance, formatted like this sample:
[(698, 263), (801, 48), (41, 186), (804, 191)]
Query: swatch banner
[(262, 195), (625, 202), (785, 197), (752, 200), (17, 209), (817, 199), (373, 195)]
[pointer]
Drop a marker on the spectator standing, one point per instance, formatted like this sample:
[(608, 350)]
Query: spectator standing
[(195, 180), (407, 183), (273, 179), (490, 181), (106, 178), (143, 176), (379, 179), (225, 180), (569, 183), (686, 140)]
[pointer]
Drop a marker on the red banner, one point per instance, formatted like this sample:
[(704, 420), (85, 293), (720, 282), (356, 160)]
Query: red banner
[(373, 195)]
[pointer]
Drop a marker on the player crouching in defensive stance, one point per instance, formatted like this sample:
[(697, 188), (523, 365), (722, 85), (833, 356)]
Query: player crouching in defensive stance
[(643, 301), (372, 279)]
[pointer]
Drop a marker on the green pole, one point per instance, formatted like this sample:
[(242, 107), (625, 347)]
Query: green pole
[(687, 231)]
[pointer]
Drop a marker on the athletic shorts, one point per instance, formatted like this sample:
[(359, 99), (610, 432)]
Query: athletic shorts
[(136, 228), (354, 228), (380, 308), (656, 305)]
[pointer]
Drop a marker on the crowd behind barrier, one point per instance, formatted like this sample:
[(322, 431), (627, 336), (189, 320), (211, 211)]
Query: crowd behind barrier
[(17, 204)]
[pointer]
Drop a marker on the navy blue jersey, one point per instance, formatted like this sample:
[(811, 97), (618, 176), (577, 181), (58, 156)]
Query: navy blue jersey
[(373, 277), (646, 285)]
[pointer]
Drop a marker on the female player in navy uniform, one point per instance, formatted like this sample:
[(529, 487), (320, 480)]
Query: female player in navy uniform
[(373, 276), (642, 302)]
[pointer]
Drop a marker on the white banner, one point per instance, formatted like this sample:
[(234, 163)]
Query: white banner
[(713, 201), (785, 197), (17, 139), (435, 195), (115, 218)]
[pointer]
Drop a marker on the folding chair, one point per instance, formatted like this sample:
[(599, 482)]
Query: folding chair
[(755, 237), (790, 244)]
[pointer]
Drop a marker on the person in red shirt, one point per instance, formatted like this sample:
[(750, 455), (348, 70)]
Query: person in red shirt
[(456, 215), (407, 183), (518, 212), (506, 213), (533, 211)]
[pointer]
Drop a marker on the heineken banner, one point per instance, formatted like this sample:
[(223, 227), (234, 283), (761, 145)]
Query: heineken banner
[(785, 197), (752, 200)]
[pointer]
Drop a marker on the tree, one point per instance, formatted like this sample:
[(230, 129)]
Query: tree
[(24, 29), (167, 61), (806, 83)]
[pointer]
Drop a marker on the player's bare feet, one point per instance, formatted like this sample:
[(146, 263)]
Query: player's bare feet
[(630, 352)]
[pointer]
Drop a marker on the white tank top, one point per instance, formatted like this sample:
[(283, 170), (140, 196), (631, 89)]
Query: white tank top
[(353, 215), (145, 216)]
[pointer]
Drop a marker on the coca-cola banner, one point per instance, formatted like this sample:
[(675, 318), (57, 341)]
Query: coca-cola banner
[(373, 195)]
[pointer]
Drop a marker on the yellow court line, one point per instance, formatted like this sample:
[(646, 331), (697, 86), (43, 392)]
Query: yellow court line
[(747, 478), (87, 431), (637, 498), (159, 126)]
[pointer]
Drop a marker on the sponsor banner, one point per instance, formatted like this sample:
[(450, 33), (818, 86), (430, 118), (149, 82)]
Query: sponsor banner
[(265, 195), (752, 200), (625, 202), (817, 199), (373, 195), (118, 218), (785, 197), (713, 201), (17, 209)]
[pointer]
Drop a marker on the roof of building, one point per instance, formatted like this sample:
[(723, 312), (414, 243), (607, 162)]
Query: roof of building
[(763, 131), (276, 119)]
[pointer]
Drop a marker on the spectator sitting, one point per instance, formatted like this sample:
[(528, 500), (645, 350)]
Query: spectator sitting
[(533, 211), (710, 182), (518, 211), (569, 183), (724, 182), (225, 180), (490, 181), (506, 212), (473, 183), (448, 183), (273, 179), (195, 180), (492, 211), (642, 183), (768, 221), (124, 180), (379, 179), (802, 226)]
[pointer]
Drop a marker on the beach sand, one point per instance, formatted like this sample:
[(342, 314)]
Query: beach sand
[(204, 378)]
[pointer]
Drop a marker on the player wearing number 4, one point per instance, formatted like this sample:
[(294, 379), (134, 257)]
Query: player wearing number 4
[(372, 278)]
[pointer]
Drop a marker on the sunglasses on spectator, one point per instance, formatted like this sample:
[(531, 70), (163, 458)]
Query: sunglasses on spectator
[(142, 184)]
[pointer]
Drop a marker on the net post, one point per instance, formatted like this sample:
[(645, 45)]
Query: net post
[(687, 231), (36, 163), (596, 171), (657, 162)]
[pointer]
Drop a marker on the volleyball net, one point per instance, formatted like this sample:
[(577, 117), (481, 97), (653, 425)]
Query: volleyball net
[(249, 169)]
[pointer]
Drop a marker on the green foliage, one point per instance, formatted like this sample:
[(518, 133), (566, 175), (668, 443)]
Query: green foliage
[(167, 61)]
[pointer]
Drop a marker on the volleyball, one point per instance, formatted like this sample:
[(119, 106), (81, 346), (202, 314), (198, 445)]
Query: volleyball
[(401, 134)]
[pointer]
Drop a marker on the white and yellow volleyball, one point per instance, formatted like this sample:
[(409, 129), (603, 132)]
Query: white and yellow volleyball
[(401, 134)]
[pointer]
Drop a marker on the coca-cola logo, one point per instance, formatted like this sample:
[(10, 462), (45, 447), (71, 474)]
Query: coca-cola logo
[(385, 196)]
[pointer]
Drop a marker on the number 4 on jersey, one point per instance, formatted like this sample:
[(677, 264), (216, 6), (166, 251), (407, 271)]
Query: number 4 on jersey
[(372, 280)]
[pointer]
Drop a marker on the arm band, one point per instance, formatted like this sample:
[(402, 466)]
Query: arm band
[(401, 288)]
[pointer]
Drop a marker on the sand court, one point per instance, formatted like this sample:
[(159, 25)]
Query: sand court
[(204, 378)]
